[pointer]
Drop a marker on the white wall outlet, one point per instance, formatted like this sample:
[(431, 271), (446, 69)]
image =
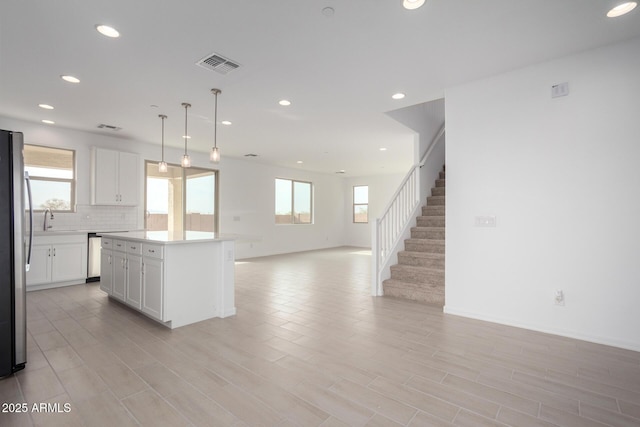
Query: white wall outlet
[(561, 89), (485, 221), (559, 297)]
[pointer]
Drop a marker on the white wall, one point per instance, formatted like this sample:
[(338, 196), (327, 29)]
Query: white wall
[(563, 178), (247, 198), (247, 193), (381, 189)]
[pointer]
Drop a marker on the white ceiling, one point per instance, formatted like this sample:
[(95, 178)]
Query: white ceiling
[(339, 72)]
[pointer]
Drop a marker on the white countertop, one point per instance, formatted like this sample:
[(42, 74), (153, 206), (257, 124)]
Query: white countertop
[(56, 232), (171, 237)]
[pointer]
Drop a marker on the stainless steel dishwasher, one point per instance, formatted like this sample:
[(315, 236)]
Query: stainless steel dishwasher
[(93, 261)]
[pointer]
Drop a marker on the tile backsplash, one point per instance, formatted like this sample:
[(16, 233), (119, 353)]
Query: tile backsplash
[(92, 218)]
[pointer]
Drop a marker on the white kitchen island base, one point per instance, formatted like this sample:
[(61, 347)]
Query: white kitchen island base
[(176, 279)]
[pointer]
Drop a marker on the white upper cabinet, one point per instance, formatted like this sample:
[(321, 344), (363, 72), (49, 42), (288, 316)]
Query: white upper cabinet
[(114, 178)]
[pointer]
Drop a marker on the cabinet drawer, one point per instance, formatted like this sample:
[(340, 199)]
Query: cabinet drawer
[(134, 248), (152, 251), (119, 245), (107, 243)]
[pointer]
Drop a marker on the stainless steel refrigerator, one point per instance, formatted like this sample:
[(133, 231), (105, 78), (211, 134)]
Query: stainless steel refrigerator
[(16, 236)]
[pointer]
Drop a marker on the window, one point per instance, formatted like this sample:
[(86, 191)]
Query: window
[(293, 202), (361, 204), (53, 177), (181, 199)]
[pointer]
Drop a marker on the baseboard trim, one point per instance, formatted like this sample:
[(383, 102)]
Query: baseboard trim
[(539, 328)]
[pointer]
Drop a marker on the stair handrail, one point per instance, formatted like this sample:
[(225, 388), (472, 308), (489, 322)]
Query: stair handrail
[(388, 227), (432, 145)]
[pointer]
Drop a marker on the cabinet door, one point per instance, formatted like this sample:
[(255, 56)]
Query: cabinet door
[(105, 178), (106, 271), (153, 288), (40, 267), (119, 275), (68, 261), (128, 179), (134, 281)]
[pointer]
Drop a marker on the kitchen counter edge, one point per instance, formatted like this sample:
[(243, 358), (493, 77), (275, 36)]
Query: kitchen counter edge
[(143, 236)]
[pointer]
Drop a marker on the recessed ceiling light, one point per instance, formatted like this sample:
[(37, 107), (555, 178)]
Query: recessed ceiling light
[(46, 106), (299, 162), (328, 12), (383, 149), (226, 122), (108, 31), (49, 122), (284, 102), (186, 137), (622, 9), (412, 4), (70, 79), (398, 95)]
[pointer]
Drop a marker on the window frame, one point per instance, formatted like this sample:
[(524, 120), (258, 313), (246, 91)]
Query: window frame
[(293, 201), (355, 205), (183, 178), (72, 181)]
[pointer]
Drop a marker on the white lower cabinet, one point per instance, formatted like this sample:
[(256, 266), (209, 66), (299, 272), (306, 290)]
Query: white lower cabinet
[(57, 261), (134, 274), (119, 275), (152, 287), (40, 267), (176, 281), (134, 281), (106, 270)]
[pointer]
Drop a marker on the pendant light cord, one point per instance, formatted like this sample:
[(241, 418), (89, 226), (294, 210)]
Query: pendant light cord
[(185, 128), (163, 117), (215, 124)]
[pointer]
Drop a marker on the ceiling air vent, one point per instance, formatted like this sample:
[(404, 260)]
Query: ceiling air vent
[(217, 63), (109, 127)]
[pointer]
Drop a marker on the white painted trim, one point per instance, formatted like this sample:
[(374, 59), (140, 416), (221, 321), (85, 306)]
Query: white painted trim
[(540, 328)]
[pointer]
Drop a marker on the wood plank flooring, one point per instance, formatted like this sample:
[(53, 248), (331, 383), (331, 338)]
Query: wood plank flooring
[(309, 347)]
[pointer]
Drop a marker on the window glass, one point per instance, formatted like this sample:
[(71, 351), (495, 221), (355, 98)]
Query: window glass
[(284, 200), (293, 202), (181, 199), (361, 204), (52, 173), (302, 202), (200, 200)]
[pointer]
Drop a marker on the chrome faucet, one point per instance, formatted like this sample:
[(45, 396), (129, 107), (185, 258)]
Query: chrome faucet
[(46, 226)]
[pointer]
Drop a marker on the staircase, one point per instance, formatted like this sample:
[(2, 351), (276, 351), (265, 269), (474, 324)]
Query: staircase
[(419, 274)]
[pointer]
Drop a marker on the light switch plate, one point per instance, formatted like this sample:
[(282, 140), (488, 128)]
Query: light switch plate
[(485, 221)]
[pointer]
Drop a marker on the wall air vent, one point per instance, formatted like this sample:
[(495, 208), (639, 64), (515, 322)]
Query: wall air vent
[(109, 127), (251, 155), (218, 63)]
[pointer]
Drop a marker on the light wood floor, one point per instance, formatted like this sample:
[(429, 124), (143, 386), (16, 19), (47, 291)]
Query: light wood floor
[(309, 347)]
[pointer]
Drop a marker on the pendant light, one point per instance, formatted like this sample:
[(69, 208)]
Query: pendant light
[(162, 166), (214, 156), (186, 160)]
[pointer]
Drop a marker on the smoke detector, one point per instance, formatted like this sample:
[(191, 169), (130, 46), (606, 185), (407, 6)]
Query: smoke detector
[(218, 63)]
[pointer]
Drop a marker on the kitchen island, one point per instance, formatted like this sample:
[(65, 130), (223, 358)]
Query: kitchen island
[(174, 278)]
